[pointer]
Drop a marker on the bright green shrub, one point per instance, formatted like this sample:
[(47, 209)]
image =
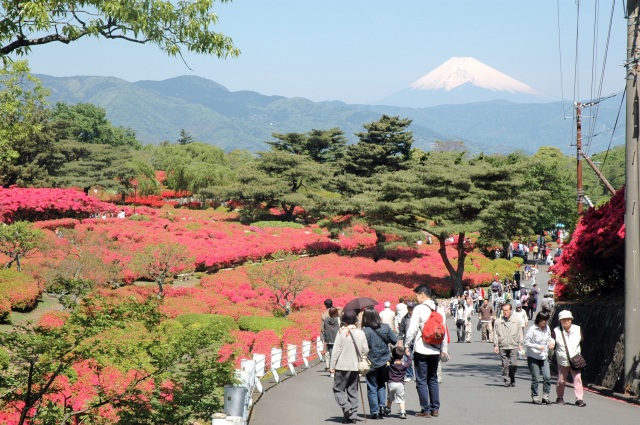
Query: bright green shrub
[(225, 322), (20, 290), (517, 260), (257, 324)]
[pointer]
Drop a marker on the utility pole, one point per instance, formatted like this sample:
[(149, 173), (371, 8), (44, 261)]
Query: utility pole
[(579, 191), (631, 212)]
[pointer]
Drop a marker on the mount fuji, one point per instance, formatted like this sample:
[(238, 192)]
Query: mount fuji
[(464, 80)]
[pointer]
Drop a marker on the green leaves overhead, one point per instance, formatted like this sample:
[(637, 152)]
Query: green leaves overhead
[(172, 26)]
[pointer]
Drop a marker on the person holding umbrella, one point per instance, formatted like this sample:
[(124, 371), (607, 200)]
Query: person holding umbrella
[(350, 344)]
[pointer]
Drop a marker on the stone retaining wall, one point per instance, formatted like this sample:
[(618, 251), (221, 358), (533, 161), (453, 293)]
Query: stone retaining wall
[(603, 345)]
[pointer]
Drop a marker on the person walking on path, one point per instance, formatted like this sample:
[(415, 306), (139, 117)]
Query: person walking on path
[(568, 336), (468, 326), (460, 321), (388, 316), (397, 370), (330, 331), (521, 315), (344, 364), (507, 341), (486, 321), (379, 336), (404, 325), (426, 356), (538, 342)]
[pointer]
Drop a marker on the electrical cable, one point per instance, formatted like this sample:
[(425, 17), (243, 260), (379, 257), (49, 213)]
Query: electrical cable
[(613, 132), (564, 109), (602, 73)]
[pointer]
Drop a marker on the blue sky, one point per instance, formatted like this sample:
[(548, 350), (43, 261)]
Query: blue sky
[(360, 51)]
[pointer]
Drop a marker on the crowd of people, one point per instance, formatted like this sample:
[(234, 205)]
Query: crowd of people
[(394, 343)]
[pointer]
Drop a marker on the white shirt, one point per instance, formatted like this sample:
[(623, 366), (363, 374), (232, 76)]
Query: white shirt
[(389, 317), (420, 315)]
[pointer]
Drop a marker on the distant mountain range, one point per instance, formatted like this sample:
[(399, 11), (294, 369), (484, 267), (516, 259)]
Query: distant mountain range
[(158, 110)]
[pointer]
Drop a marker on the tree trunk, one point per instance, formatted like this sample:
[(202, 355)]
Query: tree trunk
[(458, 272), (288, 212)]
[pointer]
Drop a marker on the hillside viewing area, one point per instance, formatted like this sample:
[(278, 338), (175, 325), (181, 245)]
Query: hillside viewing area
[(176, 253)]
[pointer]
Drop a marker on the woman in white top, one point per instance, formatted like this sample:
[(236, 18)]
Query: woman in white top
[(572, 338), (538, 342)]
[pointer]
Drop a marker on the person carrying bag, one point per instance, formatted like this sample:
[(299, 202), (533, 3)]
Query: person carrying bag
[(347, 359), (568, 338)]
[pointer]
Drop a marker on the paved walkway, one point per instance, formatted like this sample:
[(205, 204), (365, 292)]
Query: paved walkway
[(471, 392)]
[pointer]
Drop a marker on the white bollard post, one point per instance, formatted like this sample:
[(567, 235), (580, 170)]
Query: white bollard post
[(306, 352), (292, 352), (260, 360), (320, 348), (276, 363)]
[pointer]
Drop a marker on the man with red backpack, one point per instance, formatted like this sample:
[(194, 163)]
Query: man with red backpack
[(427, 334)]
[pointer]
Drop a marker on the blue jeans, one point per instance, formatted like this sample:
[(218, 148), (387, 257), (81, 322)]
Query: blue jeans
[(537, 368), (427, 381), (376, 389)]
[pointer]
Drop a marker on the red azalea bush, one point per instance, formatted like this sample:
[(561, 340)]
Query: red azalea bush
[(53, 319), (32, 204), (593, 261)]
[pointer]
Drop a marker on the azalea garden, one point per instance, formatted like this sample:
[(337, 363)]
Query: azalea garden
[(135, 278)]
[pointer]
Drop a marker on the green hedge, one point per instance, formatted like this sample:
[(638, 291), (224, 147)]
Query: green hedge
[(18, 291), (225, 322), (257, 323), (280, 224)]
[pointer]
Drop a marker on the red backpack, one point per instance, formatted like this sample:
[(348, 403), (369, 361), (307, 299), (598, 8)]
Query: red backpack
[(434, 330)]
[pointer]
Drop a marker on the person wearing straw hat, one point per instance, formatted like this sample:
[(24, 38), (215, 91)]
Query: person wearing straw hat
[(568, 338), (350, 344)]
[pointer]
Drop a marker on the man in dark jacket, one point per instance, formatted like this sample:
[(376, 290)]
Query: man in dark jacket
[(402, 330)]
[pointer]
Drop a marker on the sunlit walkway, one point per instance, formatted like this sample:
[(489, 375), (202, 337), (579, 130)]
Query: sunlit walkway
[(471, 392)]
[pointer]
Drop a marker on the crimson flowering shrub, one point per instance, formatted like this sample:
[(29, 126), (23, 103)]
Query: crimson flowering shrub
[(53, 319), (593, 261), (62, 223), (31, 204)]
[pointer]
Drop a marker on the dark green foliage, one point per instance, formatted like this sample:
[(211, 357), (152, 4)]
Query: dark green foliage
[(185, 137), (277, 179), (384, 147), (319, 145), (87, 123), (224, 322), (258, 323)]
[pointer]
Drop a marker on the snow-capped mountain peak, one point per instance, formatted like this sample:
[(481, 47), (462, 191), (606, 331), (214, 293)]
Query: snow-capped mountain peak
[(458, 71)]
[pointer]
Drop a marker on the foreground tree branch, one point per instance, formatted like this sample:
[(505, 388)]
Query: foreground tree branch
[(172, 27)]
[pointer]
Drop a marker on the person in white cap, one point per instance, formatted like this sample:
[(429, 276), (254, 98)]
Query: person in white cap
[(521, 315), (568, 338), (388, 316)]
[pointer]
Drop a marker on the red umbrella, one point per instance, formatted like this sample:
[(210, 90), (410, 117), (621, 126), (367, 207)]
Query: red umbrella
[(360, 303)]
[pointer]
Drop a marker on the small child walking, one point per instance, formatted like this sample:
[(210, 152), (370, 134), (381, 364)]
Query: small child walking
[(395, 390)]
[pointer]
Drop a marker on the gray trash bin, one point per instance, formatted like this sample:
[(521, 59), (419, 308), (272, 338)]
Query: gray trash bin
[(234, 398)]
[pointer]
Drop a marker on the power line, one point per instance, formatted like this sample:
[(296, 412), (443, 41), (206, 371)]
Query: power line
[(564, 109)]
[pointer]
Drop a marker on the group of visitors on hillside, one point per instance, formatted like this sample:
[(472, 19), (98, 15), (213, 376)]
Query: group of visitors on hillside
[(399, 346), (394, 344), (539, 344)]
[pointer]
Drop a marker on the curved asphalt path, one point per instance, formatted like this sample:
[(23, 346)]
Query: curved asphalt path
[(471, 392)]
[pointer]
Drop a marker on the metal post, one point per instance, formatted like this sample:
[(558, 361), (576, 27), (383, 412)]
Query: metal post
[(632, 215), (579, 190)]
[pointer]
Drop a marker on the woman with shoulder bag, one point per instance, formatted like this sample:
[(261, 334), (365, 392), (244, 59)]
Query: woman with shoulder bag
[(568, 338), (538, 342), (349, 347), (460, 321), (379, 336)]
